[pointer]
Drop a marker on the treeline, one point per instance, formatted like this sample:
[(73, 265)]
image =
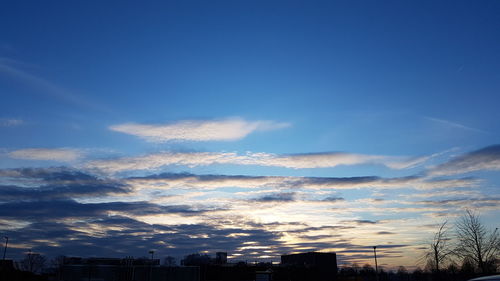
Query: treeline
[(367, 273), (455, 253), (467, 247)]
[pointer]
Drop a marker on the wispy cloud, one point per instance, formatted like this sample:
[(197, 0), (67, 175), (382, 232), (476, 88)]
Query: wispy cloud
[(445, 193), (170, 181), (315, 160), (487, 158), (454, 125), (476, 203), (48, 154), (190, 130), (12, 69), (292, 161), (10, 122)]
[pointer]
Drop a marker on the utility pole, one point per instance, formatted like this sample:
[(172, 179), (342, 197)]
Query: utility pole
[(376, 265), (5, 249), (151, 264)]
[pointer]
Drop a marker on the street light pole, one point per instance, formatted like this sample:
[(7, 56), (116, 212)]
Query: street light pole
[(5, 249), (376, 265), (151, 264)]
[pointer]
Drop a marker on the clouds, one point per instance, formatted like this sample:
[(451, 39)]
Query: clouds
[(54, 184), (41, 86), (117, 236), (47, 154), (169, 181), (34, 192), (220, 108), (52, 174), (248, 216), (158, 160), (59, 209), (190, 130), (118, 216), (291, 161), (454, 125), (10, 122), (487, 158), (277, 197), (315, 160), (47, 209)]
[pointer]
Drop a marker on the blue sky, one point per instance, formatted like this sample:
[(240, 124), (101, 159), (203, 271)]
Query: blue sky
[(286, 125)]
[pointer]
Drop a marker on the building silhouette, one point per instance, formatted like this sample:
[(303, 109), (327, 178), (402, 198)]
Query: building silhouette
[(311, 266), (311, 259)]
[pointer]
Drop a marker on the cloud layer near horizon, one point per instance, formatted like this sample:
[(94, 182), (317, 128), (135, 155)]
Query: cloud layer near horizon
[(257, 217), (71, 212)]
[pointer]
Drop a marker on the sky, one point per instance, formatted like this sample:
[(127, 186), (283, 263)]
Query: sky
[(258, 128)]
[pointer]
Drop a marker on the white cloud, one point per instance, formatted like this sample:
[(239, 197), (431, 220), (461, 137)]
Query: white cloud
[(314, 160), (224, 130), (9, 122), (445, 193), (154, 161), (48, 154), (293, 161), (332, 159)]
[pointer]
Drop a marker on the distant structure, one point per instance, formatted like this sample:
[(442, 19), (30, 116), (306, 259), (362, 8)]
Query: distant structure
[(110, 261), (266, 275), (127, 269), (6, 264), (205, 259), (221, 258), (311, 259), (310, 266)]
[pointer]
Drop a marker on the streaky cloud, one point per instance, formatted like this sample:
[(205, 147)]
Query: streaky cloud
[(291, 161), (119, 236), (47, 154), (277, 197), (56, 192), (477, 203), (48, 175), (453, 124), (191, 130), (333, 199), (10, 122), (10, 68), (186, 180), (31, 184), (485, 159), (58, 209)]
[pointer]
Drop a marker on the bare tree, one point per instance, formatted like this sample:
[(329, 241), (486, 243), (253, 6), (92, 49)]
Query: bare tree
[(439, 249), (58, 263), (475, 242), (169, 261), (33, 262)]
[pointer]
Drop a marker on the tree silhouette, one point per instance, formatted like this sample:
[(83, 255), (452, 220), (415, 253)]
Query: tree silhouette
[(476, 243), (33, 262), (439, 248)]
